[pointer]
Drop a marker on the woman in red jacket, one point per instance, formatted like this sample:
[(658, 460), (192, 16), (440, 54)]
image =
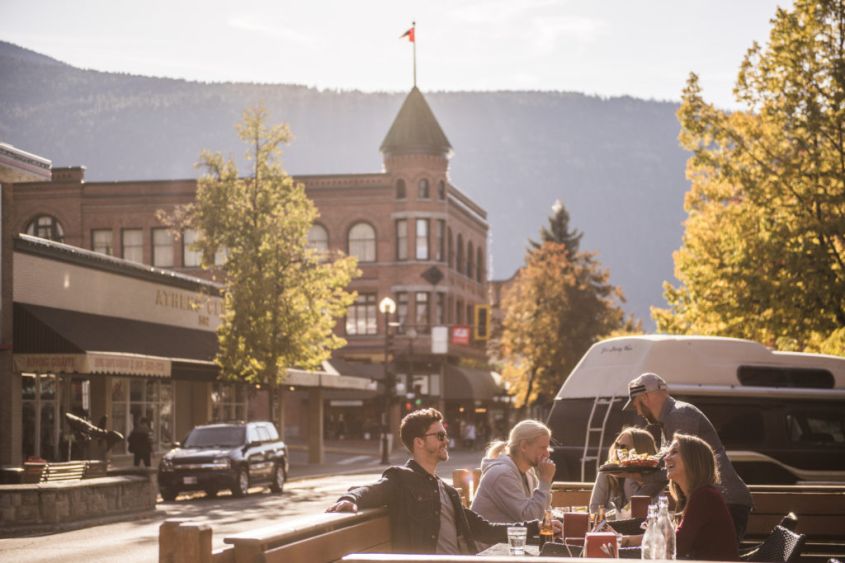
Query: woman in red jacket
[(706, 531)]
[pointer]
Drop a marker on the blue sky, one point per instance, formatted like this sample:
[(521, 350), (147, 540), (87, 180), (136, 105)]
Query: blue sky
[(640, 48)]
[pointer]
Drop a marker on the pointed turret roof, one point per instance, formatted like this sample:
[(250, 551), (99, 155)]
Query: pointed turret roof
[(415, 129)]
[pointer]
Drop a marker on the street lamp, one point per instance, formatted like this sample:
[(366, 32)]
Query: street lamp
[(387, 306)]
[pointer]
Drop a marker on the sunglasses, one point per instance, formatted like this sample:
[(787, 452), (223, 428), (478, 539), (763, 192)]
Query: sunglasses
[(440, 435)]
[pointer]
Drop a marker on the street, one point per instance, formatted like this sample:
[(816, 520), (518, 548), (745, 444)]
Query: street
[(137, 540)]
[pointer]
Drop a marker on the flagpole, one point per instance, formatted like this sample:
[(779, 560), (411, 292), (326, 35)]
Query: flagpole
[(414, 26)]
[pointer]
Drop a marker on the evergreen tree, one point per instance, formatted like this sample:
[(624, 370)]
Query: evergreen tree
[(764, 243), (558, 230)]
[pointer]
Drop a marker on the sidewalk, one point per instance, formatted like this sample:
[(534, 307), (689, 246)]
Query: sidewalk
[(349, 457)]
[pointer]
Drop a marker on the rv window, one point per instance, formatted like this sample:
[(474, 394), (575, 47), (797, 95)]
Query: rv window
[(767, 376), (816, 428), (744, 427)]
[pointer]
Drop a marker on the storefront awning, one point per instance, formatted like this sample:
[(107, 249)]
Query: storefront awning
[(302, 378), (469, 384), (74, 342), (106, 363)]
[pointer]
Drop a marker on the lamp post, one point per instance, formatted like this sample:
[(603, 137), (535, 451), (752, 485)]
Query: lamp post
[(387, 306)]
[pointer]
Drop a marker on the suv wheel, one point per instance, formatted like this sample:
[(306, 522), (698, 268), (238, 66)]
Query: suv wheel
[(211, 493), (278, 483), (241, 488), (168, 494)]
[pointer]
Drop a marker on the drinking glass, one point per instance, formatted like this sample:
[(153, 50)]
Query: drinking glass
[(516, 539)]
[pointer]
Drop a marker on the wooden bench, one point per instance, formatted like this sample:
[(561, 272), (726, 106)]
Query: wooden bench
[(323, 538), (320, 538), (45, 472)]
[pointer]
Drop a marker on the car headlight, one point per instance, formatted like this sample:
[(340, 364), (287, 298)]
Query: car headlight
[(222, 462)]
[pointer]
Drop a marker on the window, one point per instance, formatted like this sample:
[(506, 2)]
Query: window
[(221, 256), (450, 248), (361, 316), (362, 242), (132, 244), (401, 191), (163, 248), (402, 239), (439, 240), (422, 314), (424, 191), (46, 226), (318, 238), (770, 376), (439, 309), (137, 398), (469, 315), (190, 258), (816, 427), (401, 311), (422, 239), (459, 311), (441, 190), (459, 259), (101, 241), (470, 257), (228, 402), (479, 265)]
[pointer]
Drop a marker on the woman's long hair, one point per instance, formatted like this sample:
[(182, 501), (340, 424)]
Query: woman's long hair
[(525, 431), (643, 442), (699, 464)]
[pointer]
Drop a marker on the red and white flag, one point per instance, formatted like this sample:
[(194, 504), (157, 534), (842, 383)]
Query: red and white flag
[(409, 34)]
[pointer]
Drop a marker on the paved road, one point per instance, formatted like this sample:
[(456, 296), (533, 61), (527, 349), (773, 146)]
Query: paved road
[(137, 541)]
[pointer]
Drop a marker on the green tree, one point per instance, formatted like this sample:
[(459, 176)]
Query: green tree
[(282, 299), (764, 242), (559, 231), (559, 304)]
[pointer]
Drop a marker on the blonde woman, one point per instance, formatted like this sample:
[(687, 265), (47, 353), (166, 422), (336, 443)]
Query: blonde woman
[(706, 530), (516, 476), (612, 491)]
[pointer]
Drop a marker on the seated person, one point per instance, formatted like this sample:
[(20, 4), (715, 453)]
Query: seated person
[(706, 531), (616, 491), (516, 476), (426, 515)]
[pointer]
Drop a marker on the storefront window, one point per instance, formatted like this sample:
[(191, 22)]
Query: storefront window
[(39, 416), (134, 399), (228, 402)]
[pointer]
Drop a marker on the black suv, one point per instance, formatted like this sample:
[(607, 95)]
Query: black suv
[(232, 456)]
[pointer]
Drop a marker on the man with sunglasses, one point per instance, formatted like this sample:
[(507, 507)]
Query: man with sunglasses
[(426, 515)]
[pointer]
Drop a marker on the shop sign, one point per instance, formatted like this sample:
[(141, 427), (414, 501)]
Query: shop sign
[(460, 335)]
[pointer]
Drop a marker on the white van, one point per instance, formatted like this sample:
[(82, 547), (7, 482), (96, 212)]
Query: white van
[(781, 415)]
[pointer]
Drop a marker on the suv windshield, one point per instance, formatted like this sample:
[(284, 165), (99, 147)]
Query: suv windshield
[(220, 436)]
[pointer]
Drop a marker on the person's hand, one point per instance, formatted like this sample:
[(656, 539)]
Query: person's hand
[(546, 470), (343, 506)]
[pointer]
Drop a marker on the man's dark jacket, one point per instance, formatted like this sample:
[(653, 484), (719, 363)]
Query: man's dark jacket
[(412, 496)]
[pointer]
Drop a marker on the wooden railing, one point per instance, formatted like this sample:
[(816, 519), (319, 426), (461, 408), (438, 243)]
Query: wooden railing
[(323, 538)]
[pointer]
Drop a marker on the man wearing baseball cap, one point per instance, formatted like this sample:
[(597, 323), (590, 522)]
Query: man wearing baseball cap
[(649, 396)]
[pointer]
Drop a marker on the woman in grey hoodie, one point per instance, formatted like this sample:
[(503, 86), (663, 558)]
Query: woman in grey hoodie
[(516, 476)]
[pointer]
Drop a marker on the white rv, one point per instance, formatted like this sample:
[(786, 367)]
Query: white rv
[(781, 415)]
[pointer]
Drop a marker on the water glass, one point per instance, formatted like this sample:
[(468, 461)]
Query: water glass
[(517, 536)]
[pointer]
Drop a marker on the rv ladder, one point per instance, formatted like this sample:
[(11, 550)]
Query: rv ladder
[(592, 430)]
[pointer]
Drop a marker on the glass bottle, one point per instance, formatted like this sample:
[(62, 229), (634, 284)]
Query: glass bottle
[(667, 527), (653, 546)]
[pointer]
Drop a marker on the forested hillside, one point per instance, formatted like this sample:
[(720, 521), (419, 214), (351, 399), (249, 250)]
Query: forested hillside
[(614, 162)]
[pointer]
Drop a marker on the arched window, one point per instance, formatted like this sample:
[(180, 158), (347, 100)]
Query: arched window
[(424, 191), (401, 192), (46, 226), (362, 242), (441, 190), (450, 249), (479, 265), (470, 259), (459, 259), (318, 238)]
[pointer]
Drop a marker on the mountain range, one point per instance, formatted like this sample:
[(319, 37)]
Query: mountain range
[(615, 163)]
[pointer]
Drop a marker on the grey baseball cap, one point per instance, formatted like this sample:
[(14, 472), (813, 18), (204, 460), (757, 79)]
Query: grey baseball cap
[(644, 383)]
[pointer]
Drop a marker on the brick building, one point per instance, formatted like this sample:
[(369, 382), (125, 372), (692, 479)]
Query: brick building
[(418, 239)]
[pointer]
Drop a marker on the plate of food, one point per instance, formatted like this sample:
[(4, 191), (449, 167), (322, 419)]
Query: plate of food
[(632, 462)]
